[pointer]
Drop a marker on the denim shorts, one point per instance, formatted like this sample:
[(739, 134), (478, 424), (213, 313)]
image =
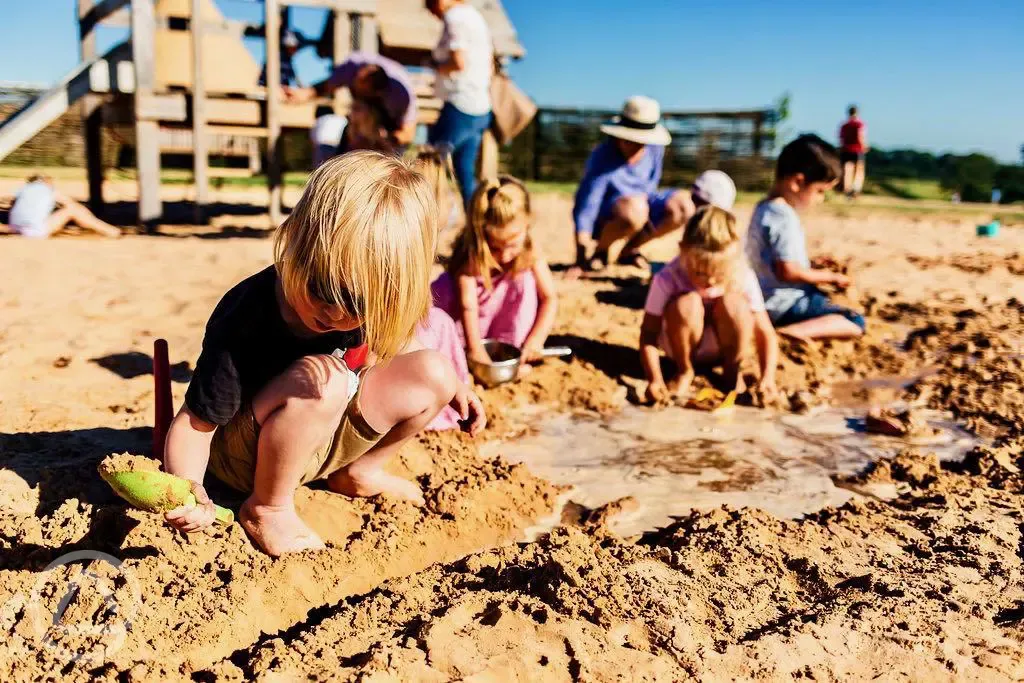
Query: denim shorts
[(815, 305)]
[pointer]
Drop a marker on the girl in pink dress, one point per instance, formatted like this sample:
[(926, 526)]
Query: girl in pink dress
[(497, 285), (705, 308)]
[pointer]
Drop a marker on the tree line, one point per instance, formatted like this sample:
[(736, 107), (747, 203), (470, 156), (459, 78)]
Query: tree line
[(973, 176)]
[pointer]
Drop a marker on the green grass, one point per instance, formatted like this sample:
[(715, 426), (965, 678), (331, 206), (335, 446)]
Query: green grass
[(908, 188), (537, 186), (184, 177)]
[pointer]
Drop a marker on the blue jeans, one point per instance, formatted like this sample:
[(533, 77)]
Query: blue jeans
[(816, 305), (460, 135)]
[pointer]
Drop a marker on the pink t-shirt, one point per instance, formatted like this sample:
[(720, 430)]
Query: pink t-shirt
[(672, 281)]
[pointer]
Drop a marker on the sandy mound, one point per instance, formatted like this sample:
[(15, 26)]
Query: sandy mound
[(925, 588), (202, 597)]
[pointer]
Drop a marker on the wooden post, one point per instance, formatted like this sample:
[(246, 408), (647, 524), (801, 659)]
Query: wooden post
[(367, 33), (92, 119), (758, 136), (272, 21), (342, 49), (200, 141), (255, 162), (147, 131)]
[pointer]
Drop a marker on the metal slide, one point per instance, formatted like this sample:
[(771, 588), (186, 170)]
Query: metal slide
[(102, 74)]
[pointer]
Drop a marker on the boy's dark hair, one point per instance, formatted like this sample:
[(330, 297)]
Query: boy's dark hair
[(853, 110), (810, 155), (323, 110)]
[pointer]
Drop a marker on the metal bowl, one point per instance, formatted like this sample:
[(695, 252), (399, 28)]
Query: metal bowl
[(503, 369)]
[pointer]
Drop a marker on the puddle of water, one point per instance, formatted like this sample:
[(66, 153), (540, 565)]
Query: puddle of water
[(674, 460), (877, 390)]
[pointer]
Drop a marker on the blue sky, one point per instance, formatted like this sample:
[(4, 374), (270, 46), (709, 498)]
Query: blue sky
[(942, 75)]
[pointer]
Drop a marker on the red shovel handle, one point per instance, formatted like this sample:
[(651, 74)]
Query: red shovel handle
[(355, 357), (162, 396)]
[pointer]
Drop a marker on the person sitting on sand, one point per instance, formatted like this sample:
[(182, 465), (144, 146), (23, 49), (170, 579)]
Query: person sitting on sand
[(704, 308), (777, 246), (272, 404), (497, 285), (33, 213), (618, 203)]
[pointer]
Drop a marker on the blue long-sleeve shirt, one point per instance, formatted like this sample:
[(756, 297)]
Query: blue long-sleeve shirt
[(607, 177)]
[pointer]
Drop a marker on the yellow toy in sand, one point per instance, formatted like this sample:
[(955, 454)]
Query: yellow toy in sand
[(712, 400), (156, 491)]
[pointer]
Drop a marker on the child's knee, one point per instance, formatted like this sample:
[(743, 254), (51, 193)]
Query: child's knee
[(433, 371), (632, 210), (675, 208), (736, 306), (318, 384), (685, 309)]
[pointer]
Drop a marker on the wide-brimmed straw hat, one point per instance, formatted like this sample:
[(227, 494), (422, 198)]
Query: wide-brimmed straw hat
[(640, 122)]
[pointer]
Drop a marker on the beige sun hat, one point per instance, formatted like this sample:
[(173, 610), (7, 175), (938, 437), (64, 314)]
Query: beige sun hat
[(640, 121)]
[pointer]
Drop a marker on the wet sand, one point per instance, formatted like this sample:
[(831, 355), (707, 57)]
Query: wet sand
[(912, 571)]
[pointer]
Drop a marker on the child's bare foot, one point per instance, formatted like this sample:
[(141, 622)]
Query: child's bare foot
[(736, 384), (367, 483), (679, 386), (277, 529)]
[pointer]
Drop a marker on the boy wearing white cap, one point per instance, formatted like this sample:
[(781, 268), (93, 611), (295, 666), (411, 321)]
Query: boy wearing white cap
[(618, 196)]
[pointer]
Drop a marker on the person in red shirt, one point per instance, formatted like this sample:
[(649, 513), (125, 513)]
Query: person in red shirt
[(853, 145)]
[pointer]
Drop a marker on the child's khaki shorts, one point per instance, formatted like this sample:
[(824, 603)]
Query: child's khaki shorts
[(234, 447)]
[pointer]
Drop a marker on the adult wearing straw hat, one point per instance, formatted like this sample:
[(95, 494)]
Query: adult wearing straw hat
[(618, 205)]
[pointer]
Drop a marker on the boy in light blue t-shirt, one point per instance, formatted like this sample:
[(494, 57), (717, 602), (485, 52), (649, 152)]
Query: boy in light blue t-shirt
[(777, 247)]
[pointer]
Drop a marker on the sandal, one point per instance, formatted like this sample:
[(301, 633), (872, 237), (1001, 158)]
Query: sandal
[(635, 259), (597, 262)]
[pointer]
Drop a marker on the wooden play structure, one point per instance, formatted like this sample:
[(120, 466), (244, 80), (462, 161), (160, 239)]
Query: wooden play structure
[(189, 86)]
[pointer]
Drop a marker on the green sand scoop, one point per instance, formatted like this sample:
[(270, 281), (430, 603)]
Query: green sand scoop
[(155, 491)]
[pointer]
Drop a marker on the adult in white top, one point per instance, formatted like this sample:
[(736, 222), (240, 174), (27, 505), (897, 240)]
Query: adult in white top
[(464, 60)]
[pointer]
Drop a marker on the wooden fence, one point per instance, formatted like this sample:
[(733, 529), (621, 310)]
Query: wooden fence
[(556, 145)]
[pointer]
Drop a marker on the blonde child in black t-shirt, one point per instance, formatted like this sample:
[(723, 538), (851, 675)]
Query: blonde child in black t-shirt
[(272, 403)]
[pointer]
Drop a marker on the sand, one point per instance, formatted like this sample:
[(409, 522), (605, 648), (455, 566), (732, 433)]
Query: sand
[(925, 586)]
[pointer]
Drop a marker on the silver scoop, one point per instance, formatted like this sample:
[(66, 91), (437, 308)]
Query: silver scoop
[(505, 362)]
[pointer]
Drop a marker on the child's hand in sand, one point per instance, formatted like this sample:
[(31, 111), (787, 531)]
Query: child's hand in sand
[(479, 356), (657, 392), (532, 351), (768, 391), (679, 386), (189, 518), (470, 409), (841, 281)]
